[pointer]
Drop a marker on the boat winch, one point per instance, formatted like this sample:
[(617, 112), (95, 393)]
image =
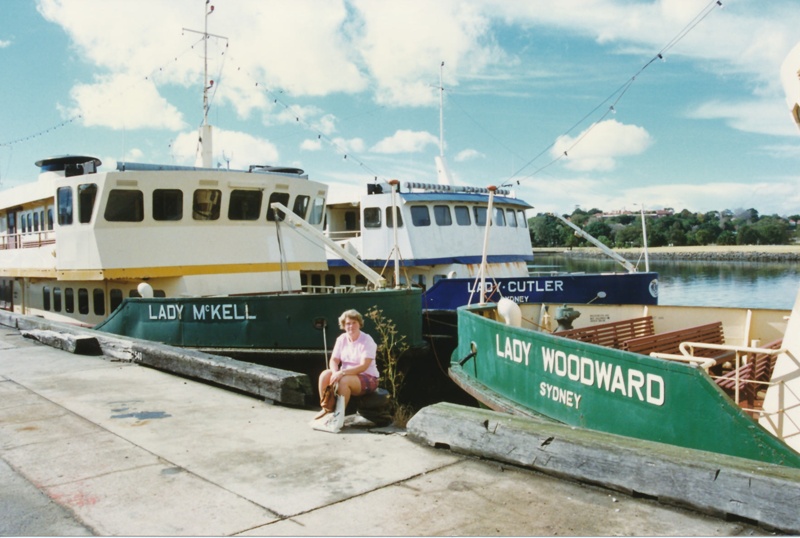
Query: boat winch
[(565, 315)]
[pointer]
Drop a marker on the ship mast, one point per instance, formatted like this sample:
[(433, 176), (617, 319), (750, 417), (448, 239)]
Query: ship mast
[(442, 173), (206, 139)]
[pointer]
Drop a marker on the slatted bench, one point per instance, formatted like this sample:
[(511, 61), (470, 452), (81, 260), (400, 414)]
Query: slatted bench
[(612, 334), (669, 342), (751, 374)]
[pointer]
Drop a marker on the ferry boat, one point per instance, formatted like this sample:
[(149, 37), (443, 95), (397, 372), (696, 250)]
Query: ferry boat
[(722, 380), (204, 248), (442, 244)]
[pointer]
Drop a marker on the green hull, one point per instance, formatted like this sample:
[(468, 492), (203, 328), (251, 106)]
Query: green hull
[(604, 389), (262, 323)]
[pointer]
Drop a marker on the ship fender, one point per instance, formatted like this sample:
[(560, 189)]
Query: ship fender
[(510, 312)]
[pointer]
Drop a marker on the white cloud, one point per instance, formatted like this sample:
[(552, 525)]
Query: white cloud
[(4, 43), (405, 141), (766, 116), (311, 145), (241, 149), (352, 145), (468, 155), (123, 102), (598, 147)]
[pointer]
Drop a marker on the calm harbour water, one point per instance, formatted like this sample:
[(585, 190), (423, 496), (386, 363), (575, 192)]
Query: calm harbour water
[(706, 283)]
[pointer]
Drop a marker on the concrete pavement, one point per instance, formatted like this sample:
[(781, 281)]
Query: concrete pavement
[(121, 449)]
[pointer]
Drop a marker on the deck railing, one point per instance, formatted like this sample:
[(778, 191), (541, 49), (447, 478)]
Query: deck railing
[(27, 240)]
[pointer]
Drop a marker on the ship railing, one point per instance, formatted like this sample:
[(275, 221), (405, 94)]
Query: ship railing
[(27, 240), (738, 356), (344, 288)]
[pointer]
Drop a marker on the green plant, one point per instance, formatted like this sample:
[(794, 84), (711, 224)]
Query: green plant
[(391, 347)]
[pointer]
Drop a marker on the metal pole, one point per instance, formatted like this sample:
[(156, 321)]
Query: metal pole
[(395, 185), (489, 211)]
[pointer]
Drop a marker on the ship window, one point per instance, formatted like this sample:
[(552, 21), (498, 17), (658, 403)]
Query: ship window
[(420, 215), (462, 215), (115, 298), (280, 197), (361, 280), (206, 204), (124, 206), (57, 299), (350, 221), (317, 210), (316, 280), (83, 301), (303, 280), (49, 218), (69, 300), (64, 206), (372, 217), (46, 298), (245, 205), (99, 300), (30, 222), (522, 222), (35, 222), (159, 293), (480, 215), (390, 218), (86, 195), (419, 280), (167, 204), (499, 217), (437, 278), (301, 206), (330, 281), (345, 280), (512, 217), (441, 213)]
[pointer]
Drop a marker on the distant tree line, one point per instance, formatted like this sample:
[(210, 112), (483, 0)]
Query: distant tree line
[(665, 228)]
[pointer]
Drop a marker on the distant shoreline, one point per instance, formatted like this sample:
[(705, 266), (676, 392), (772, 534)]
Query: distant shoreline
[(753, 253)]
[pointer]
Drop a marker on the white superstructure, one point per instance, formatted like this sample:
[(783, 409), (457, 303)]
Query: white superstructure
[(76, 242)]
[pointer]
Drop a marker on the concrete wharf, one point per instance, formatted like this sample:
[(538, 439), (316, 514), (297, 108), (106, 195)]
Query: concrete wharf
[(91, 445)]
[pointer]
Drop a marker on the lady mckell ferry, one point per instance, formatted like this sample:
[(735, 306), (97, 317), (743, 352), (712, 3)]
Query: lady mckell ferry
[(210, 262)]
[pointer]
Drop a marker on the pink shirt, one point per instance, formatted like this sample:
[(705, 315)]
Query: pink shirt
[(352, 354)]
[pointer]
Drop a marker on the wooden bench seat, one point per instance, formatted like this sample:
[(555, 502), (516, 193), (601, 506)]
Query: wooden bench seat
[(751, 375), (669, 342), (612, 334)]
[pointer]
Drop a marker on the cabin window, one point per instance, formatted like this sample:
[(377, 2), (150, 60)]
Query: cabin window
[(462, 215), (159, 293), (316, 280), (69, 300), (361, 280), (46, 298), (345, 280), (167, 204), (390, 218), (57, 299), (317, 211), (49, 218), (418, 280), (35, 222), (30, 222), (420, 216), (64, 195), (124, 205), (437, 278), (245, 205), (330, 280), (86, 196), (512, 218), (300, 207), (499, 217), (372, 217), (522, 222), (280, 197), (350, 221), (206, 204), (99, 302), (441, 213), (83, 301), (480, 215), (115, 298)]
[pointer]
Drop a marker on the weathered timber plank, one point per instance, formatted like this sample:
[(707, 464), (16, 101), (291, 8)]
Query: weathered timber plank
[(72, 343), (703, 481), (289, 388)]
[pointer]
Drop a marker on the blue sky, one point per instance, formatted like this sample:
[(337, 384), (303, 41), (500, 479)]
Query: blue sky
[(347, 90)]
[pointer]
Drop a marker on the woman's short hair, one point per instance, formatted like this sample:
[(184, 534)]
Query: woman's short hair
[(351, 314)]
